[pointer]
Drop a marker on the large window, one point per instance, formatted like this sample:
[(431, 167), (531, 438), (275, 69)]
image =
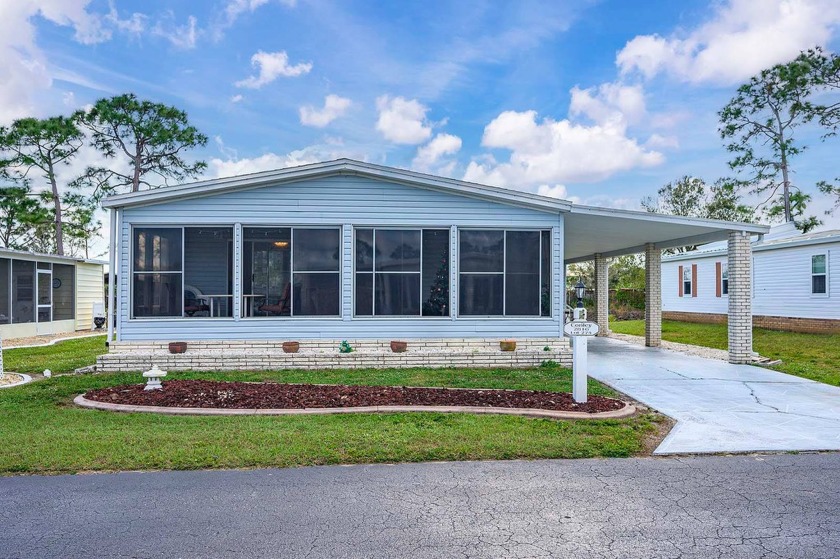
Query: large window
[(402, 272), (819, 274), (158, 272), (505, 273), (686, 280), (724, 278), (291, 271), (208, 272)]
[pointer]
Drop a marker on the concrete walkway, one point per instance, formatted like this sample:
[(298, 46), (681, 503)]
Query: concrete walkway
[(721, 407)]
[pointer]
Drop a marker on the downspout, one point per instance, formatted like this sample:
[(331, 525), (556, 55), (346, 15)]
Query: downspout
[(112, 258)]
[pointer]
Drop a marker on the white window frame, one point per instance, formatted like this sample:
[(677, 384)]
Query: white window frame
[(825, 255), (688, 270), (724, 275)]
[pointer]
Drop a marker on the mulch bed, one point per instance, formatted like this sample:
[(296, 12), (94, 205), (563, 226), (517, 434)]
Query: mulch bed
[(270, 395)]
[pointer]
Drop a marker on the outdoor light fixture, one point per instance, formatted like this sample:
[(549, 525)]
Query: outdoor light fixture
[(580, 291), (281, 244)]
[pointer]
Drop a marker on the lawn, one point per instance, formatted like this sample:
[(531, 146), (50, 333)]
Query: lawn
[(813, 356), (43, 432), (63, 357)]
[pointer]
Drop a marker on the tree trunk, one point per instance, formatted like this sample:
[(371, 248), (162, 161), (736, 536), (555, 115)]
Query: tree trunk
[(138, 162), (59, 229), (784, 166)]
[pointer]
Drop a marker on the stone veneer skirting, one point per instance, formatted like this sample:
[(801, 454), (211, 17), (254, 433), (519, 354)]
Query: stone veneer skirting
[(783, 323), (324, 354)]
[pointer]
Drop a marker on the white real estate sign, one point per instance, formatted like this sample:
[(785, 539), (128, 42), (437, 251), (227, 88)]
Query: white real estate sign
[(579, 330)]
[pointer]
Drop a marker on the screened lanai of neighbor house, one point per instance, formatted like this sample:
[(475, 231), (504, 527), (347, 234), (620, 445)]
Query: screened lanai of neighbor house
[(351, 250)]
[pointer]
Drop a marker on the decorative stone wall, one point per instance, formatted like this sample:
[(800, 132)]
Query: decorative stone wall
[(740, 297), (653, 296), (323, 354), (602, 290)]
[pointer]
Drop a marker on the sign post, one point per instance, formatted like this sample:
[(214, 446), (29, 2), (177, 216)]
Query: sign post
[(579, 330)]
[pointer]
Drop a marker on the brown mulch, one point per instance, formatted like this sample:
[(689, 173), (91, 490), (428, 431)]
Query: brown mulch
[(269, 395)]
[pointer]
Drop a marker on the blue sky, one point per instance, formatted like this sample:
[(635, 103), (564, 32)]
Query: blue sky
[(598, 102)]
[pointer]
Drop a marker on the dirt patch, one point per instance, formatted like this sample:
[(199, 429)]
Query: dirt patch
[(246, 395)]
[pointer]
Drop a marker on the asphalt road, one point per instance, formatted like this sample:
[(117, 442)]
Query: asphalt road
[(711, 507)]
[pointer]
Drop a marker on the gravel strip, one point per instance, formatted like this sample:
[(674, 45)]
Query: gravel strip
[(699, 351)]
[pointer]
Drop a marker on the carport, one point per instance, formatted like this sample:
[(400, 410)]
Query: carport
[(597, 234)]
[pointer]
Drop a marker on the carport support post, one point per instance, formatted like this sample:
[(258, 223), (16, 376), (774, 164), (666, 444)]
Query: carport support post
[(740, 297), (602, 295), (653, 296)]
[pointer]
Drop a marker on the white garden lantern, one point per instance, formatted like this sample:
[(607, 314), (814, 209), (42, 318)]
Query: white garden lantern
[(153, 377)]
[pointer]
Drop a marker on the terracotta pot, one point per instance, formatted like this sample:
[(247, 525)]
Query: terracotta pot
[(291, 347), (507, 345), (399, 347), (177, 347)]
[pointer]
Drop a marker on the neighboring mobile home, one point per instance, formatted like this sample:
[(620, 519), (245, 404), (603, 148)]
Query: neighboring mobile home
[(796, 282), (350, 250), (47, 294)]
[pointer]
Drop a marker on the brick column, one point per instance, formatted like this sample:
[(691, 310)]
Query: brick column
[(740, 297), (653, 296), (602, 291)]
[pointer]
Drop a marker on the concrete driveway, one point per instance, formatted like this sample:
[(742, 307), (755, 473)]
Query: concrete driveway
[(726, 507), (721, 407)]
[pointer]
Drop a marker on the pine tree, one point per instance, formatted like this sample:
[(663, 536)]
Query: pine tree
[(438, 302)]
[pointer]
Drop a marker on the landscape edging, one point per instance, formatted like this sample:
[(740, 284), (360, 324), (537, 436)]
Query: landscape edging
[(628, 410)]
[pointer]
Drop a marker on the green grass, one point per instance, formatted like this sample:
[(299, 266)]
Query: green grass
[(63, 357), (43, 432), (813, 356)]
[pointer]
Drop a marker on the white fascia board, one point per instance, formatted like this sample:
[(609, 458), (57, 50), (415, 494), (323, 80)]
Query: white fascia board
[(332, 168), (756, 248), (675, 219)]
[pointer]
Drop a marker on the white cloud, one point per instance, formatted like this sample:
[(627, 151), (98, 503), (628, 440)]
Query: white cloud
[(236, 98), (742, 38), (135, 24), (402, 121), (553, 151), (557, 191), (334, 107), (429, 155), (235, 8), (658, 141), (271, 66), (180, 36), (610, 104), (232, 165)]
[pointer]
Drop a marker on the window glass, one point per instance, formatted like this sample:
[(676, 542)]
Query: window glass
[(157, 294), (482, 251), (397, 250), (364, 250), (481, 294), (5, 291), (522, 273), (397, 294), (23, 291), (157, 249), (687, 280), (316, 294), (435, 273), (819, 283), (208, 270), (157, 281), (724, 278), (316, 250), (364, 294), (267, 271), (63, 287)]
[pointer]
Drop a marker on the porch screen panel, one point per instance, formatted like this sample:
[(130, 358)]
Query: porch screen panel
[(401, 272), (482, 266), (5, 291), (158, 272), (63, 288), (23, 291), (316, 263), (505, 273), (267, 271), (208, 272)]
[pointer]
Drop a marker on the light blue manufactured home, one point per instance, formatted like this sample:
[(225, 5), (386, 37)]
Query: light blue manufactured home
[(345, 249)]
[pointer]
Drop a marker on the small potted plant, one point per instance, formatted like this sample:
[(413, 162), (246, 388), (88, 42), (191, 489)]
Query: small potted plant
[(398, 346), (345, 347), (177, 347), (291, 347), (507, 345)]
